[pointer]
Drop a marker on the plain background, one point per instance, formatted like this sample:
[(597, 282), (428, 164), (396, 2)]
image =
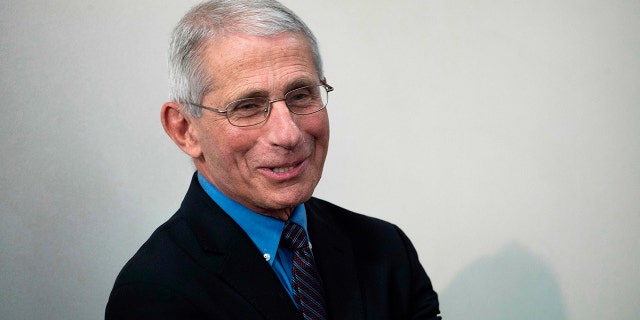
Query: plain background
[(502, 136)]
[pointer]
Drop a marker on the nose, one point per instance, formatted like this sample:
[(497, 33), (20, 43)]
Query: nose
[(283, 131)]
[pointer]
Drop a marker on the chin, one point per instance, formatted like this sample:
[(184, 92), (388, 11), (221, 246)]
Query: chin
[(289, 200)]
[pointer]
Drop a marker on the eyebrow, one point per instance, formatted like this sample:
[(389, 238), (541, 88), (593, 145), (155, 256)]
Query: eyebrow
[(295, 84), (300, 82), (251, 94)]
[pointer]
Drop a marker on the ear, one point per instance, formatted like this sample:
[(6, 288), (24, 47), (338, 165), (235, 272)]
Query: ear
[(180, 128)]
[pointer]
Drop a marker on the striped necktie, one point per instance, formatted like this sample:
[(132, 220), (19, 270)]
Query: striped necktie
[(307, 290)]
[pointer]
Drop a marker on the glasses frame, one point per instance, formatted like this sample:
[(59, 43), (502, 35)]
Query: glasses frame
[(224, 111)]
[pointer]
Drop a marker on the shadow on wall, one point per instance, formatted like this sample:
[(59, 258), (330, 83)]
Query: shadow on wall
[(513, 284)]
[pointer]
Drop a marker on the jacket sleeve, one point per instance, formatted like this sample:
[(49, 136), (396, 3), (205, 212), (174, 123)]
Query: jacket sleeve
[(148, 301), (423, 300)]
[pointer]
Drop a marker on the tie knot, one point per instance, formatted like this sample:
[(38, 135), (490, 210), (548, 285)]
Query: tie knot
[(294, 237)]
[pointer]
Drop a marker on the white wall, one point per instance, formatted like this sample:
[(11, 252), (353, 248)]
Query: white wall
[(502, 136)]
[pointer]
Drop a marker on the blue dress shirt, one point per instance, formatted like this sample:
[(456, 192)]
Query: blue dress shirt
[(264, 231)]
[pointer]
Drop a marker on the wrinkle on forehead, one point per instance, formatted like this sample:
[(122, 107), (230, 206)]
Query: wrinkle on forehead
[(244, 65)]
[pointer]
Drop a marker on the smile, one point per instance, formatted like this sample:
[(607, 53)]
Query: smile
[(280, 170)]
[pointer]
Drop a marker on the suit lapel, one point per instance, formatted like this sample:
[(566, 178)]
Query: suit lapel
[(334, 258), (227, 252), (252, 277)]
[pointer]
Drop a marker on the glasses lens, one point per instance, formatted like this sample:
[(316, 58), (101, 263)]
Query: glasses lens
[(307, 100), (247, 112)]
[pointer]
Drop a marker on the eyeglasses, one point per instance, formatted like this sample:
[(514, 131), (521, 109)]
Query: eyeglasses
[(252, 111)]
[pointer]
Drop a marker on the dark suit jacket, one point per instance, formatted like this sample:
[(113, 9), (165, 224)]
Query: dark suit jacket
[(201, 265)]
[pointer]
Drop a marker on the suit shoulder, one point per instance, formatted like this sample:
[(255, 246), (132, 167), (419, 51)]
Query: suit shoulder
[(357, 225), (327, 208), (151, 258), (324, 209)]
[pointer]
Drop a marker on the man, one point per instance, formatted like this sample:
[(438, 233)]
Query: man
[(249, 241)]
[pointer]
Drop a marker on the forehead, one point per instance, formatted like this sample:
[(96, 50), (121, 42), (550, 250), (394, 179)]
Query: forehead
[(240, 62)]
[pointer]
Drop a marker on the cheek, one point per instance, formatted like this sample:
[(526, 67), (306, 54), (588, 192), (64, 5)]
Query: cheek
[(319, 129), (223, 148), (239, 151)]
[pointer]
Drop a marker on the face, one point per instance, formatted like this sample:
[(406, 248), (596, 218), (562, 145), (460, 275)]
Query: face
[(274, 166)]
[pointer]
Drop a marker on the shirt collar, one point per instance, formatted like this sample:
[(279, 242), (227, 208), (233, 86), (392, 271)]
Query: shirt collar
[(263, 230)]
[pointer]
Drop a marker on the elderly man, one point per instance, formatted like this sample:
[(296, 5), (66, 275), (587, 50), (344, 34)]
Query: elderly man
[(249, 241)]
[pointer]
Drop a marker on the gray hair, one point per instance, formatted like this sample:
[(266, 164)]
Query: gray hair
[(188, 81)]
